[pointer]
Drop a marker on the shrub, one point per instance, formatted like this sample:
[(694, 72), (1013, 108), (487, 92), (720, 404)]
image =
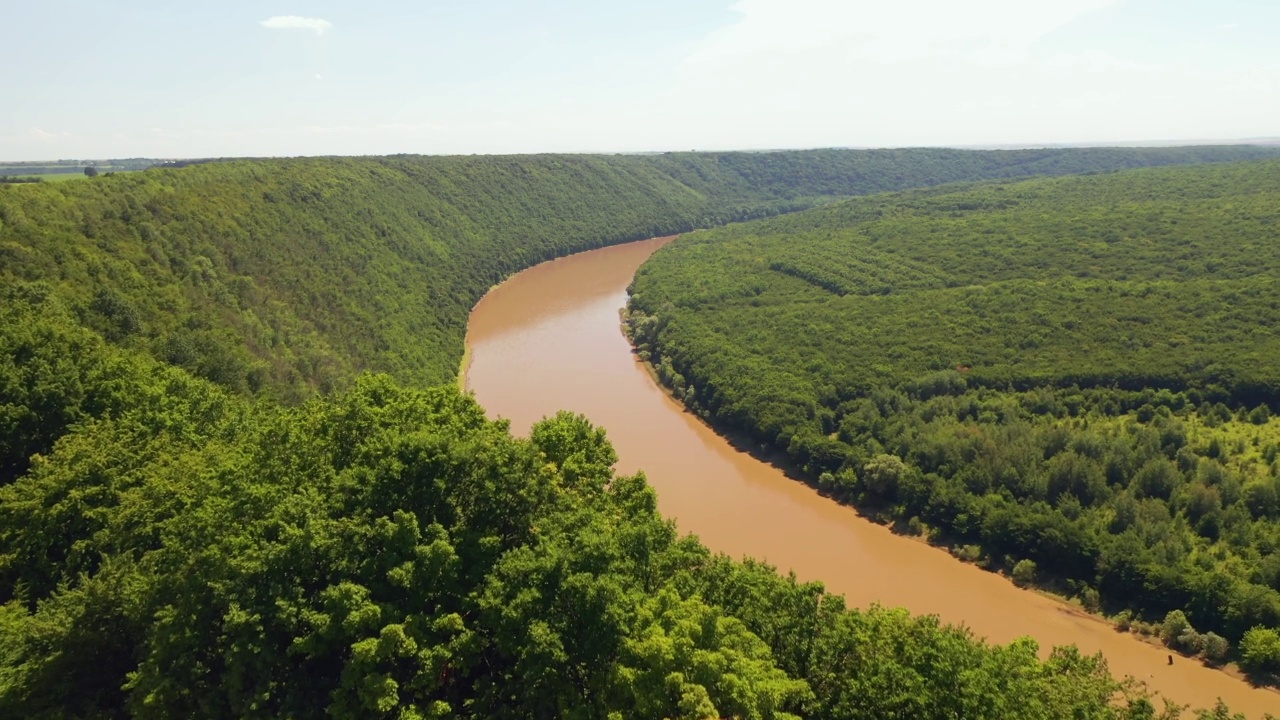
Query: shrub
[(1123, 620), (915, 527), (1175, 625), (1216, 647), (1260, 650), (1190, 642), (1024, 573), (1090, 599)]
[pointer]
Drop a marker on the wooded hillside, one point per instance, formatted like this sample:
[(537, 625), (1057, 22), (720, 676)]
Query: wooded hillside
[(1073, 376)]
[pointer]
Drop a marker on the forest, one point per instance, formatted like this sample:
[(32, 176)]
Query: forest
[(236, 481), (1072, 380)]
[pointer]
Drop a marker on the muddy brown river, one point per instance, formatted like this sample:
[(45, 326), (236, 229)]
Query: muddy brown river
[(549, 339)]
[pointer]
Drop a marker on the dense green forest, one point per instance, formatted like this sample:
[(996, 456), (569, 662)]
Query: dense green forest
[(391, 553), (1070, 379), (210, 508), (281, 278)]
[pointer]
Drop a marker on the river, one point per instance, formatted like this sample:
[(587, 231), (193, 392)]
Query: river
[(549, 339)]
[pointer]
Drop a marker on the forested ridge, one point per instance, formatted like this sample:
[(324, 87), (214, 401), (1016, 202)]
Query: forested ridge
[(1072, 380), (210, 508)]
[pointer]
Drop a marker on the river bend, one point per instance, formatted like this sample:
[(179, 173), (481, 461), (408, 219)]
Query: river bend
[(549, 339)]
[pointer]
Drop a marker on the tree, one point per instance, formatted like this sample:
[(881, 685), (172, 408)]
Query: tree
[(579, 450), (882, 473), (1220, 711), (90, 171), (1157, 479), (1260, 650)]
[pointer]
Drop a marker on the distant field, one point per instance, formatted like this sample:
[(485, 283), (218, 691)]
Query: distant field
[(77, 174), (55, 177)]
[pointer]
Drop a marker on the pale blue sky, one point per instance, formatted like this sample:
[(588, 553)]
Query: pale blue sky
[(146, 78)]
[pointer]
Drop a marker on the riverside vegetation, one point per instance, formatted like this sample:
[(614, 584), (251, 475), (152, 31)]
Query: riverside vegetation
[(210, 508), (1069, 379)]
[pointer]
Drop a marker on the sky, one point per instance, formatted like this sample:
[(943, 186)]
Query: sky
[(143, 78)]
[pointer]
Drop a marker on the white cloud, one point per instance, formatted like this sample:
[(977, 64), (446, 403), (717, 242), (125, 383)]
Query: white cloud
[(1228, 26), (848, 72), (1098, 61), (294, 22), (982, 31)]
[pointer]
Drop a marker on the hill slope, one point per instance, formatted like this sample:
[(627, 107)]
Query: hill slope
[(1076, 372)]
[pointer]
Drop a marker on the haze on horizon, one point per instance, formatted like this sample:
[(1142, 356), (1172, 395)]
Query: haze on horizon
[(152, 79)]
